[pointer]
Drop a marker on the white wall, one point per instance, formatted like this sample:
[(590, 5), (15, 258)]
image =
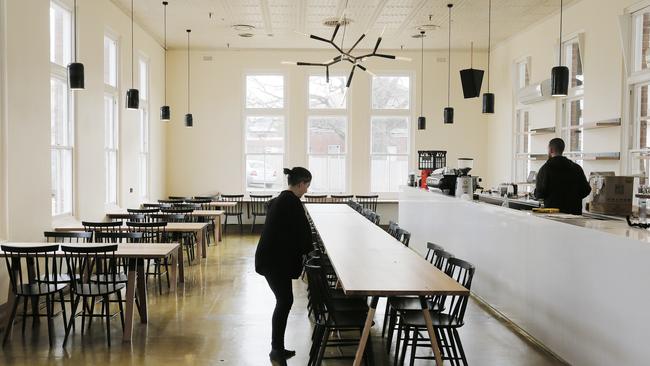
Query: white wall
[(25, 119), (209, 157), (603, 71)]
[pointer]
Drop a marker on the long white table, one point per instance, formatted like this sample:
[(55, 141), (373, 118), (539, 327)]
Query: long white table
[(368, 261)]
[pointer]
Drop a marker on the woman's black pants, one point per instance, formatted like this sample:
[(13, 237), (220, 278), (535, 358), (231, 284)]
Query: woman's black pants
[(281, 287)]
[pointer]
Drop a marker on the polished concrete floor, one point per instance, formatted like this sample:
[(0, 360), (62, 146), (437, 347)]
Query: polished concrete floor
[(221, 316)]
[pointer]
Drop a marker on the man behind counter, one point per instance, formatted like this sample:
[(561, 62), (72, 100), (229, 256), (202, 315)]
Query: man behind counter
[(561, 183)]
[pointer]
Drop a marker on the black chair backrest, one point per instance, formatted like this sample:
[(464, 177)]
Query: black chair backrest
[(463, 272), (341, 198), (208, 198), (368, 201), (441, 258), (376, 219), (132, 217), (29, 264), (404, 236), (152, 232), (155, 205), (143, 211), (432, 248), (176, 198), (186, 206), (259, 204), (233, 210), (316, 198), (200, 204), (104, 227), (123, 237), (169, 217), (68, 236), (170, 202), (316, 289), (177, 211), (99, 260), (392, 228)]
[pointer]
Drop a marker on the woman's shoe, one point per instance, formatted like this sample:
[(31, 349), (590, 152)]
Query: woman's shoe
[(281, 354)]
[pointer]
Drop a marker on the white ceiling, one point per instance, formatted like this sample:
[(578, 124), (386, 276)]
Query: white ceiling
[(276, 21)]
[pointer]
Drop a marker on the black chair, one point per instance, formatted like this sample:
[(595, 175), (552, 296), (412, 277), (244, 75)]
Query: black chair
[(316, 198), (154, 232), (104, 227), (130, 216), (368, 201), (188, 240), (34, 273), (155, 205), (103, 263), (147, 212), (341, 198), (403, 236), (235, 211), (431, 249), (176, 198), (170, 201), (329, 319), (258, 206), (445, 323), (209, 198)]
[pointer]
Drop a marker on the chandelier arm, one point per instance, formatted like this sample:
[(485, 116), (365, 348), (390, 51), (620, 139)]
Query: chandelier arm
[(336, 30), (327, 74), (357, 42), (300, 63), (332, 63), (337, 47), (376, 46), (347, 85), (392, 57), (319, 38)]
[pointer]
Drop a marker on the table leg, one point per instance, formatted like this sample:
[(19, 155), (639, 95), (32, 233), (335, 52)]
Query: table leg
[(173, 278), (219, 228), (141, 289), (366, 331), (130, 298), (432, 333), (181, 264)]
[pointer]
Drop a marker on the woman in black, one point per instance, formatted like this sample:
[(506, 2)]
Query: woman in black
[(286, 238)]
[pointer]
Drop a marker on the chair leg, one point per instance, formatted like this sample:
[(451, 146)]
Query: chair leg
[(12, 316), (65, 318), (392, 319), (159, 276), (92, 312), (398, 340), (386, 313), (414, 346), (25, 301), (72, 319), (460, 346), (323, 345), (253, 226), (108, 321), (407, 338), (241, 224), (50, 323), (167, 272), (225, 224), (121, 306)]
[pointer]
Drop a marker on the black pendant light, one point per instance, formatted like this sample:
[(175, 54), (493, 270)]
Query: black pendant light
[(422, 121), (132, 95), (488, 98), (471, 79), (560, 74), (75, 69), (449, 111), (165, 113), (189, 120)]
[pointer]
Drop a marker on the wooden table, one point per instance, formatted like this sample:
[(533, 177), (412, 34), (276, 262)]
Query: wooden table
[(136, 278), (215, 214), (368, 261), (196, 228)]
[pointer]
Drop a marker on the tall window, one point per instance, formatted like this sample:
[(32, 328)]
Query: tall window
[(639, 84), (61, 116), (522, 145), (523, 73), (327, 133), (573, 106), (264, 124), (111, 141), (143, 158), (389, 132)]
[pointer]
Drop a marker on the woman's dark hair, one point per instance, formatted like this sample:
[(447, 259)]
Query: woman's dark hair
[(297, 175)]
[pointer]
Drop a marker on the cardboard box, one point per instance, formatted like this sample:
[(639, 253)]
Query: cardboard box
[(611, 195)]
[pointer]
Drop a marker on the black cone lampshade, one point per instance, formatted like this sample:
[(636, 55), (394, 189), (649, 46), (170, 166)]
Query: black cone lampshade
[(165, 113), (560, 81), (189, 120), (488, 103), (449, 115), (422, 123), (471, 79), (76, 76), (132, 99)]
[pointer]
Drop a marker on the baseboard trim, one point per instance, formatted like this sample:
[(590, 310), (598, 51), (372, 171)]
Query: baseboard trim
[(517, 329)]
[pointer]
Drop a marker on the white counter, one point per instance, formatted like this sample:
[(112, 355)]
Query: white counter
[(582, 291)]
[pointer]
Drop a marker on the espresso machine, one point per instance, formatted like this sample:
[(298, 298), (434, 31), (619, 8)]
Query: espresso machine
[(455, 182)]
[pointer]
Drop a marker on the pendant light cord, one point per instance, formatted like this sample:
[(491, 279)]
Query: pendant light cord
[(188, 70), (75, 30), (489, 41), (345, 25), (561, 10), (132, 45), (449, 60), (165, 58), (422, 73)]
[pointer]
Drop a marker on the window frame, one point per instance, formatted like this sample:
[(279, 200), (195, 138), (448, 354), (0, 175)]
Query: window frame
[(145, 132), (324, 113), (113, 91), (394, 113), (264, 112), (59, 72), (577, 38)]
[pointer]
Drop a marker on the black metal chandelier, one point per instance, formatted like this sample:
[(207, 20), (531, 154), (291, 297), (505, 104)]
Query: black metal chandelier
[(346, 56)]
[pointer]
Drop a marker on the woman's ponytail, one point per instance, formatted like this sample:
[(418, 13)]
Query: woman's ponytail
[(297, 175)]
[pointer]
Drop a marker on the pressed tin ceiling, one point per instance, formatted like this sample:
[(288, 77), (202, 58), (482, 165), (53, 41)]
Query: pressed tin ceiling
[(277, 22)]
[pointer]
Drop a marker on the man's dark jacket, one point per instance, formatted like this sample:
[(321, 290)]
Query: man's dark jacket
[(562, 184), (285, 239)]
